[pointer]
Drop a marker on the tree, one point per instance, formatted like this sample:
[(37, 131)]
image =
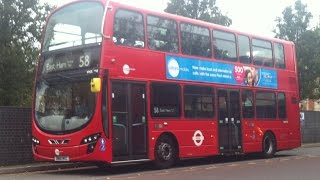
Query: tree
[(293, 23), (293, 26), (309, 64), (205, 10), (21, 24)]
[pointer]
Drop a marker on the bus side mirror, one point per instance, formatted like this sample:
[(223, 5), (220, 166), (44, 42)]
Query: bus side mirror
[(95, 85)]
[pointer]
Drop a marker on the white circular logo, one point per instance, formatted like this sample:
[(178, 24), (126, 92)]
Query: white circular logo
[(198, 138), (126, 69), (173, 68), (57, 152)]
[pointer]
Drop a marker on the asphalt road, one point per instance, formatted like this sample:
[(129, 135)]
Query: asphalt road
[(299, 164)]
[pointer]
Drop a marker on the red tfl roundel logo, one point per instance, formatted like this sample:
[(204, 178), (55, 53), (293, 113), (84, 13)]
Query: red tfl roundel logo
[(198, 138)]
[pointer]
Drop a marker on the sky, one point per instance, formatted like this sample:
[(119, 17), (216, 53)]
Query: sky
[(252, 16)]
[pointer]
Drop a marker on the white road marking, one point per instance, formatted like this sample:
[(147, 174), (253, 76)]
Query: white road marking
[(211, 167)]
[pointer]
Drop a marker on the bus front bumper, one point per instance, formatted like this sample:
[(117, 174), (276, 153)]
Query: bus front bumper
[(70, 154)]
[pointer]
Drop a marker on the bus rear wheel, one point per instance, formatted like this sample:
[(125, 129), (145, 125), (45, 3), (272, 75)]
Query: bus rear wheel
[(269, 145), (165, 152)]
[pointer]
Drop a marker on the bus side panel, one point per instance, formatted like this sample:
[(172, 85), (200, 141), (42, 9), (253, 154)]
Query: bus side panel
[(249, 136), (188, 135), (289, 57), (294, 123)]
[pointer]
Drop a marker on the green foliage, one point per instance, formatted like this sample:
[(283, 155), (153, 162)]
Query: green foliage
[(309, 64), (293, 23), (21, 23), (293, 26), (204, 10)]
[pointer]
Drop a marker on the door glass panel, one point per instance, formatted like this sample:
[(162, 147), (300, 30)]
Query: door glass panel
[(129, 121), (235, 124), (120, 119), (229, 121), (138, 119), (223, 120)]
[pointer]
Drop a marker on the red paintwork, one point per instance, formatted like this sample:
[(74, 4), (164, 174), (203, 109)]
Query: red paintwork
[(148, 65)]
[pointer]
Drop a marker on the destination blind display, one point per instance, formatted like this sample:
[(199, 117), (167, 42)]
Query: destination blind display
[(79, 59)]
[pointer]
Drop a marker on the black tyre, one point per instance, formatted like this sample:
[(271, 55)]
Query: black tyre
[(268, 145), (165, 152)]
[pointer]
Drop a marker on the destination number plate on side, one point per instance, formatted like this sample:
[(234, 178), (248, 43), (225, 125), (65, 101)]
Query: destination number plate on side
[(61, 158)]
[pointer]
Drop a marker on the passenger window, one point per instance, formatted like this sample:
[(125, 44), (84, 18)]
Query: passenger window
[(195, 40), (224, 45), (279, 56), (244, 49), (198, 102), (162, 34), (128, 29), (247, 104), (282, 110), (262, 53), (165, 100), (266, 105)]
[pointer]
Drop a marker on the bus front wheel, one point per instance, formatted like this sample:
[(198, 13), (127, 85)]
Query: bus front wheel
[(165, 152), (269, 145)]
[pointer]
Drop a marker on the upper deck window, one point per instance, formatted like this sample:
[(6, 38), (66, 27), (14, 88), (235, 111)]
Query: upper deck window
[(224, 45), (244, 49), (262, 53), (162, 34), (279, 56), (74, 25), (128, 29), (195, 40)]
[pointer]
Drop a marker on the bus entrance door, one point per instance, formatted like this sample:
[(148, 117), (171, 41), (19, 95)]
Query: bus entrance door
[(229, 121), (129, 121)]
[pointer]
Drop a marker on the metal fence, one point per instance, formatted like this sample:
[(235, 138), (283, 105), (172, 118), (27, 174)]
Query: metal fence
[(310, 126), (15, 135)]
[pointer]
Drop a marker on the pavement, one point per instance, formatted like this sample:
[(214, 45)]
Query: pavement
[(39, 166), (47, 166)]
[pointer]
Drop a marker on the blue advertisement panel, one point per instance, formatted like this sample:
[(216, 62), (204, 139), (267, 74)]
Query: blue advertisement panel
[(180, 68)]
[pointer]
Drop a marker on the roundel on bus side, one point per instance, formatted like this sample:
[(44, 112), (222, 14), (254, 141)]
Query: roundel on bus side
[(173, 68), (198, 138), (126, 69)]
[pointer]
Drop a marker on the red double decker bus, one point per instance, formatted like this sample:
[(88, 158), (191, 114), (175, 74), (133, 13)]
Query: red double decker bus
[(118, 84)]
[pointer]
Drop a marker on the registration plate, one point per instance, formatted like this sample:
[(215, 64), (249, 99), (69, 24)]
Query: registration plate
[(61, 158)]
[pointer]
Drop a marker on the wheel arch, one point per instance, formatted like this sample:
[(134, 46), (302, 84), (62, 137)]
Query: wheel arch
[(171, 136), (274, 136)]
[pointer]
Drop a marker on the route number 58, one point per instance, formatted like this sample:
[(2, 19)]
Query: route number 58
[(84, 61)]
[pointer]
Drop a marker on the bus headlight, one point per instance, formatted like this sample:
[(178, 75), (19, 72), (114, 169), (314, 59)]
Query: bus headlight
[(91, 141), (35, 141)]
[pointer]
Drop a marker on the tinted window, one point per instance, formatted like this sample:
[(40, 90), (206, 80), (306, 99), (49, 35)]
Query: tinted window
[(266, 105), (162, 34), (279, 56), (282, 110), (128, 29), (247, 104), (165, 100), (198, 102), (244, 49), (262, 53), (195, 40), (224, 45)]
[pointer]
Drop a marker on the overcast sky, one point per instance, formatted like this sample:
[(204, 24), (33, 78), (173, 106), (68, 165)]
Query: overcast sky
[(253, 16)]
